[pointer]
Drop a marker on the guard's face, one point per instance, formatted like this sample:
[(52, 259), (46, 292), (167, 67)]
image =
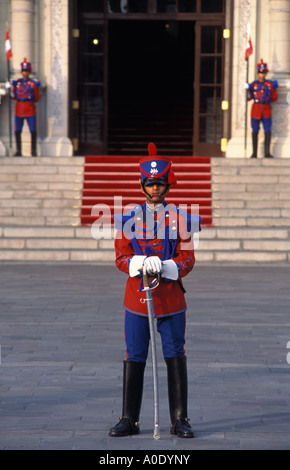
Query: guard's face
[(156, 193), (262, 77), (25, 74)]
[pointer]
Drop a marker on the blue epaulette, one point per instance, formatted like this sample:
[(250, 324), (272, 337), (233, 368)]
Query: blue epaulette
[(193, 222), (275, 84), (122, 219)]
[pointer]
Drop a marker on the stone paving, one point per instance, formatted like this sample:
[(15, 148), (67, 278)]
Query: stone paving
[(62, 347)]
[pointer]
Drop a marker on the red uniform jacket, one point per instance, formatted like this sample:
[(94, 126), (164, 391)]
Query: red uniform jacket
[(263, 94), (26, 93), (168, 297)]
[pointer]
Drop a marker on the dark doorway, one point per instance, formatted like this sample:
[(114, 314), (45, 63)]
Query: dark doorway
[(150, 70), (150, 86)]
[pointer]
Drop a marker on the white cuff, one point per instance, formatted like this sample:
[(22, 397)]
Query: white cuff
[(170, 270), (136, 265)]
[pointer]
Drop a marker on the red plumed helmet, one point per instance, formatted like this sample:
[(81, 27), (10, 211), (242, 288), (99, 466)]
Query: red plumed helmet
[(262, 67), (155, 167), (26, 66)]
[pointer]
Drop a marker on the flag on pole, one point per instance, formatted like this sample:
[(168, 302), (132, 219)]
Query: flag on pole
[(8, 45), (248, 53), (249, 48)]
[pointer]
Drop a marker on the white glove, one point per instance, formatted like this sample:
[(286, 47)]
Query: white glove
[(136, 265), (153, 265), (247, 86), (7, 85), (170, 270)]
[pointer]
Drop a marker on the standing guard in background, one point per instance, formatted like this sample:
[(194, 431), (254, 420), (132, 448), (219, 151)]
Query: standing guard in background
[(25, 92), (263, 92), (157, 236)]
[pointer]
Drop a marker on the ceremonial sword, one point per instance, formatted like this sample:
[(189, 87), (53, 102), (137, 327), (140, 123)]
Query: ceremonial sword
[(148, 287)]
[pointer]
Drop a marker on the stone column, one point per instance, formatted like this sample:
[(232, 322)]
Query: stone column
[(244, 14), (278, 45), (56, 70)]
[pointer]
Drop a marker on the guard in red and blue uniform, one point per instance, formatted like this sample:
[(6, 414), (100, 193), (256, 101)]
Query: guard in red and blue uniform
[(157, 236), (26, 93), (263, 92)]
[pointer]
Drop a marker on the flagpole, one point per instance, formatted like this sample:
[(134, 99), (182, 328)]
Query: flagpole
[(246, 112), (249, 51), (9, 103), (9, 111)]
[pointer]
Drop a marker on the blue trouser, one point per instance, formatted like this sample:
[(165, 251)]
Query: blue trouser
[(31, 121), (267, 124), (137, 336)]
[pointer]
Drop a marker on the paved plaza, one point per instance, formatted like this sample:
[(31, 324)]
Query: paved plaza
[(62, 348)]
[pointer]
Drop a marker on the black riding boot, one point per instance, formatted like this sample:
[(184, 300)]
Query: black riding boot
[(132, 398), (177, 394), (267, 145), (33, 144), (18, 152), (255, 144)]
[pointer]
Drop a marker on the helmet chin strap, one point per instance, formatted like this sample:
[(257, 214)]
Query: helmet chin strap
[(149, 195)]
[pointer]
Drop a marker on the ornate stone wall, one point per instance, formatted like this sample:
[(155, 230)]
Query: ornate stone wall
[(56, 98), (245, 19)]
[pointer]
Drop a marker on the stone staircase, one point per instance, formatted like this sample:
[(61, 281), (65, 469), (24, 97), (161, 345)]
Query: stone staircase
[(40, 204), (40, 208), (250, 211)]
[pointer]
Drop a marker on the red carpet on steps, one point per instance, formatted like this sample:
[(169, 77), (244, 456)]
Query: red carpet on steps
[(109, 176)]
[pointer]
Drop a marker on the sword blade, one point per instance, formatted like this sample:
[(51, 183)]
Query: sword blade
[(150, 311)]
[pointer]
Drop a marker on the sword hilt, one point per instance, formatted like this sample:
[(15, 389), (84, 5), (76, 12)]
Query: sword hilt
[(150, 285)]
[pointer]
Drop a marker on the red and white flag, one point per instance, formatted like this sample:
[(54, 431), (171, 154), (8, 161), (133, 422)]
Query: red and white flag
[(249, 48), (8, 46)]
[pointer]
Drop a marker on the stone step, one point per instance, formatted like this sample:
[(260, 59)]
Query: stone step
[(39, 195), (36, 170), (244, 212), (38, 220), (45, 203), (244, 245), (246, 162), (71, 178), (251, 192), (41, 161), (62, 243), (251, 222), (41, 186), (249, 204), (250, 195), (242, 257), (15, 211), (223, 179), (76, 244), (257, 187)]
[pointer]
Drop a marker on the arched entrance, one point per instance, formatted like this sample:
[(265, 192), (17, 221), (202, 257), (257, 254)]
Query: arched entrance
[(147, 70)]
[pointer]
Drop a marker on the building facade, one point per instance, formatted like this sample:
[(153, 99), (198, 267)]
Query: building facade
[(117, 73)]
